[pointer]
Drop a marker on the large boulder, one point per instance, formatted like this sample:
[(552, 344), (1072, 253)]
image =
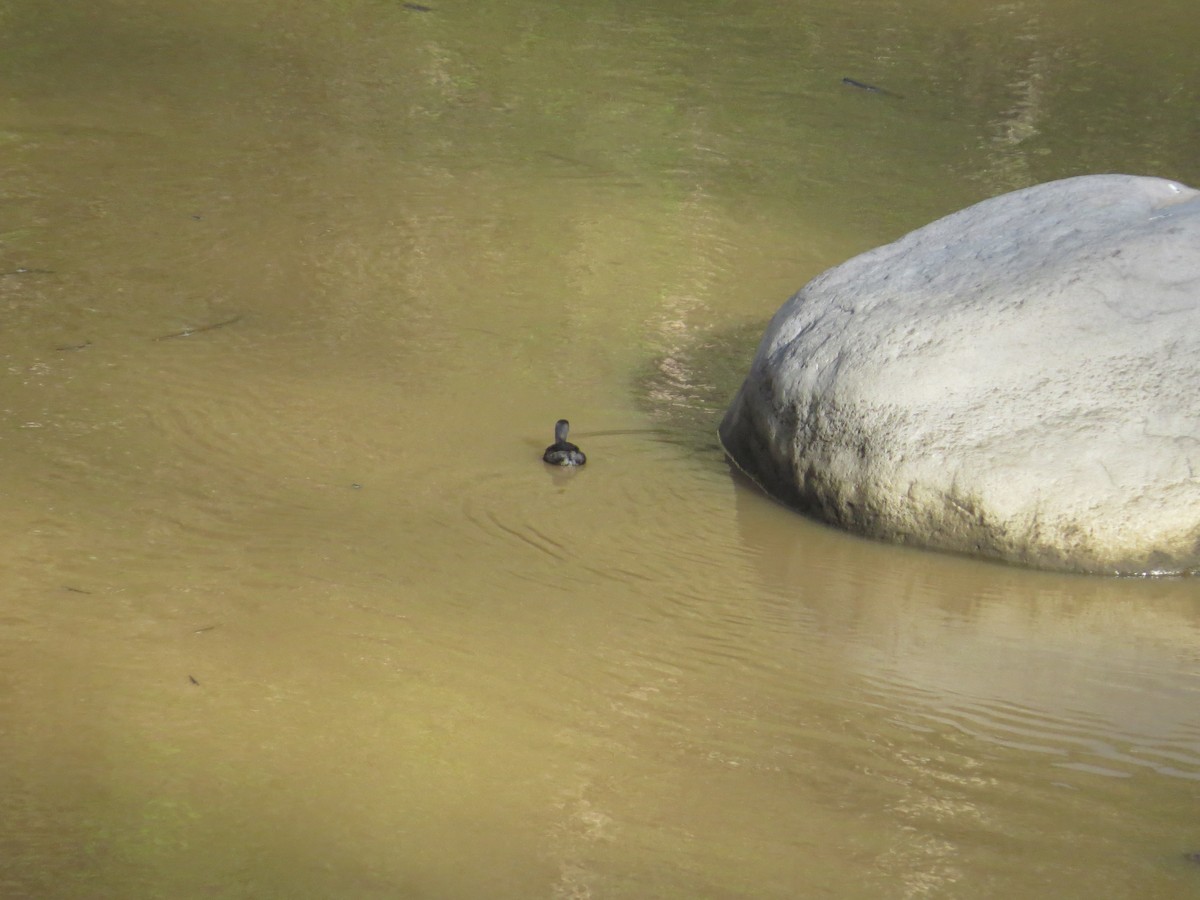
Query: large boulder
[(1018, 380)]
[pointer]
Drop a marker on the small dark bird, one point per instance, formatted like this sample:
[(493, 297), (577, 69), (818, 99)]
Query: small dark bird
[(562, 452)]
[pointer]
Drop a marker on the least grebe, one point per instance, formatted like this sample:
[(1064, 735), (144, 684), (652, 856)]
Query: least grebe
[(562, 452)]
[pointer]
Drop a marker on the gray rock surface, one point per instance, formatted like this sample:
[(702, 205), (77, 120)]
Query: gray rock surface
[(1018, 380)]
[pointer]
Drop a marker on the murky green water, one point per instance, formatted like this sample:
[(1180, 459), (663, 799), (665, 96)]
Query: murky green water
[(291, 295)]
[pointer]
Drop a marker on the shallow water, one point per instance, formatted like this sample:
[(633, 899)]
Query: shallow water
[(291, 297)]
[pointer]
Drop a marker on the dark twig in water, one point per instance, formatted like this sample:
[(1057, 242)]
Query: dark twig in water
[(862, 86), (75, 590), (66, 347), (192, 679), (187, 332), (417, 7)]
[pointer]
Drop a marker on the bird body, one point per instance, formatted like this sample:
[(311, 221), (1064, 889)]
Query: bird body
[(562, 452)]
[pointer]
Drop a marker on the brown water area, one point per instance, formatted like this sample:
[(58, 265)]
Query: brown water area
[(291, 295)]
